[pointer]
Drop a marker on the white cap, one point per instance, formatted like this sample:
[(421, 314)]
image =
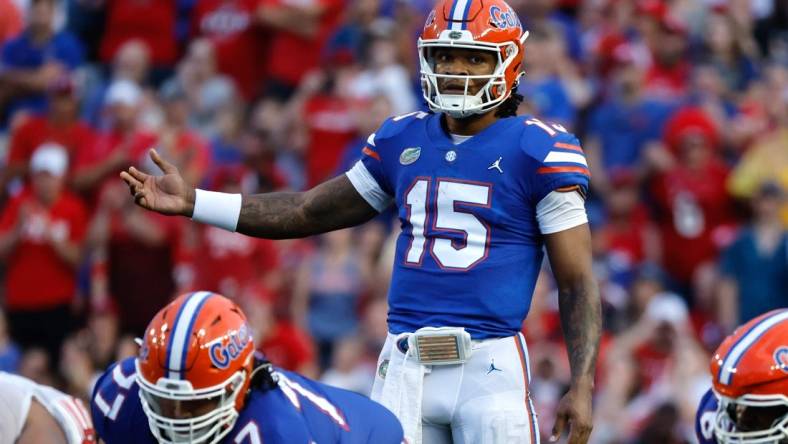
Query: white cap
[(49, 157), (668, 307), (123, 92)]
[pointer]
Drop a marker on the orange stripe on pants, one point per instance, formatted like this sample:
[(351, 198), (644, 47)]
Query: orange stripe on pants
[(524, 365)]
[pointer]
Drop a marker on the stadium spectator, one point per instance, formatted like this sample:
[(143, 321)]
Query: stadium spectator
[(282, 341), (545, 13), (42, 234), (730, 50), (59, 124), (234, 28), (153, 23), (627, 238), (553, 88), (755, 266), (325, 111), (140, 250), (766, 159), (657, 360), (625, 123), (207, 91), (383, 74), (329, 286), (34, 60), (225, 144), (299, 31), (694, 210), (122, 143), (131, 62), (665, 34), (177, 141)]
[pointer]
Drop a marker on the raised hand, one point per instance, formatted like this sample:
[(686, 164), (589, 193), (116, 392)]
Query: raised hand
[(167, 194)]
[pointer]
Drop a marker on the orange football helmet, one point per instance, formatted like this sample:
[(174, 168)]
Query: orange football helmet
[(197, 356), (489, 25), (750, 371)]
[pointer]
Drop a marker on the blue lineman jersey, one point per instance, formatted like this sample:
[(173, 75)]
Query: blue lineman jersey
[(704, 419), (471, 247), (298, 411)]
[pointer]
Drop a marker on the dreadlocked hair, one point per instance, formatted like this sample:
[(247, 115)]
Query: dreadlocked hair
[(509, 107)]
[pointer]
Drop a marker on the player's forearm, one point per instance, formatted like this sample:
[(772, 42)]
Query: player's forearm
[(581, 321), (285, 215)]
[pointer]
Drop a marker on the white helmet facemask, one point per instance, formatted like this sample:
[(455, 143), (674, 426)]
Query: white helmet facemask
[(729, 410), (489, 96), (208, 428)]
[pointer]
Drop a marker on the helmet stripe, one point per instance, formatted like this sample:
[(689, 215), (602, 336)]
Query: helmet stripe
[(458, 10), (465, 14), (728, 368), (181, 331)]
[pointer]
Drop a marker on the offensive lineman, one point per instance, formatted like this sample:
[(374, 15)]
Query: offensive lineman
[(197, 380)]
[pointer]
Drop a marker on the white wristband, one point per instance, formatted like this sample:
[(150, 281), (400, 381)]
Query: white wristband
[(218, 209)]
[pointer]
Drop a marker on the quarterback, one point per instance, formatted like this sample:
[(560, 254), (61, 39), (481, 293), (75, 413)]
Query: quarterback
[(197, 380), (748, 403), (480, 192)]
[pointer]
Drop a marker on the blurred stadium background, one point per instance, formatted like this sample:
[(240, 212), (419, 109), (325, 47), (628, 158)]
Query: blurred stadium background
[(682, 108)]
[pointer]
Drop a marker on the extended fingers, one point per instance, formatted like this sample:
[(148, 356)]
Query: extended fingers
[(130, 180), (163, 165), (136, 188)]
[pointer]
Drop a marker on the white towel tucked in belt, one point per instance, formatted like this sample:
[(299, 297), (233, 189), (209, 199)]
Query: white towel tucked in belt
[(402, 391)]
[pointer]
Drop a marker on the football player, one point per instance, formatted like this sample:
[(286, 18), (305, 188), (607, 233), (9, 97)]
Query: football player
[(32, 413), (479, 192), (748, 402), (197, 380)]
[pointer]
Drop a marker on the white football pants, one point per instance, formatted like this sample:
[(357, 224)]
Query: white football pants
[(484, 401)]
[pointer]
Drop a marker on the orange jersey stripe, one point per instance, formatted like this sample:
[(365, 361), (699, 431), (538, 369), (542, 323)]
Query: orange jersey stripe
[(549, 170), (368, 151), (524, 364), (568, 146)]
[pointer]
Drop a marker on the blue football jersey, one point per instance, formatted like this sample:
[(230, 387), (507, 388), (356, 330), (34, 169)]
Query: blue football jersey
[(471, 246), (704, 419), (298, 411)]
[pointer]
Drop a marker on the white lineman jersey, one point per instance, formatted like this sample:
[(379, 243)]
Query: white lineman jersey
[(486, 400), (16, 394)]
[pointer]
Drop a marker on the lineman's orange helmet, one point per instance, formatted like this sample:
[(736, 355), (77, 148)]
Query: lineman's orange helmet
[(750, 371), (489, 25), (196, 356)]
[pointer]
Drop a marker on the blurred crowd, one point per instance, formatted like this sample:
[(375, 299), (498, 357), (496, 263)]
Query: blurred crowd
[(682, 108)]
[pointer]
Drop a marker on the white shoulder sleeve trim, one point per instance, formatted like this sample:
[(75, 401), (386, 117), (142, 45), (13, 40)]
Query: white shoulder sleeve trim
[(559, 211), (368, 187)]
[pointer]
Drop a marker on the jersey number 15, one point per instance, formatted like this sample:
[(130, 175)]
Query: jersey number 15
[(447, 215)]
